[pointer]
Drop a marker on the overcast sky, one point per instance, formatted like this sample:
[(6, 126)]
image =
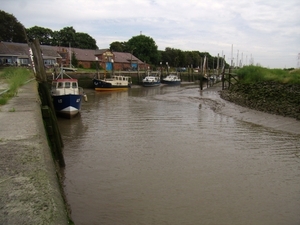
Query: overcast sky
[(264, 31)]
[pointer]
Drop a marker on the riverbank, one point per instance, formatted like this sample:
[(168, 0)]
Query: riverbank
[(269, 97), (30, 192), (220, 102)]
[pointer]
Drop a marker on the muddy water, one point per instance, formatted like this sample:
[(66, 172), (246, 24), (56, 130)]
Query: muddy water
[(157, 156)]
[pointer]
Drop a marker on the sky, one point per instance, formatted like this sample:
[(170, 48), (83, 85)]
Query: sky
[(261, 32)]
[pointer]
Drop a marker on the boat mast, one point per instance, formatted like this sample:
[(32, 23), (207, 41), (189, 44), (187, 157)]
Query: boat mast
[(70, 55)]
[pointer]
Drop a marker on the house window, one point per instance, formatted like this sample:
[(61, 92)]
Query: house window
[(24, 61)]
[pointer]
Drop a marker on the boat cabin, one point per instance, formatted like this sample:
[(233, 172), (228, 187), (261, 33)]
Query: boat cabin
[(64, 87)]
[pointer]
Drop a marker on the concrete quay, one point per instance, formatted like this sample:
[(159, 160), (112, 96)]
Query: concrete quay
[(30, 192)]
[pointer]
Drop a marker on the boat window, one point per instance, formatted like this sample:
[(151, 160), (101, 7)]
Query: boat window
[(54, 85), (67, 84), (74, 85), (60, 85)]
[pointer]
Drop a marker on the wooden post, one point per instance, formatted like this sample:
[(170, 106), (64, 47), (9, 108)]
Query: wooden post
[(201, 81), (47, 104)]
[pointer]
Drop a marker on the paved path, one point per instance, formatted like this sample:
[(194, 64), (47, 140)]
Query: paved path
[(29, 189)]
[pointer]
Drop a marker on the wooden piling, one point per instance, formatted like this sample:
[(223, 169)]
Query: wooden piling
[(48, 111)]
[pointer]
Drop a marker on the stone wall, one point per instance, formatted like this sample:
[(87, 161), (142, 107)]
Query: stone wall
[(270, 97)]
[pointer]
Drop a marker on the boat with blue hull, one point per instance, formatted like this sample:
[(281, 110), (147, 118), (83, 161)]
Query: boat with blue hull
[(115, 83), (171, 79), (151, 80), (66, 95)]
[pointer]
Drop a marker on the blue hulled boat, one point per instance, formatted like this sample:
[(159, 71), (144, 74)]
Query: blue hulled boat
[(66, 95), (171, 79), (151, 80)]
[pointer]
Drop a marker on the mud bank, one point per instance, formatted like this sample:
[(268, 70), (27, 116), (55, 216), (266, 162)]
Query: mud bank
[(30, 192), (213, 97), (270, 97)]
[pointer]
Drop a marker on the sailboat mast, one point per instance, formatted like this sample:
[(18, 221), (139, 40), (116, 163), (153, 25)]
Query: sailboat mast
[(70, 55)]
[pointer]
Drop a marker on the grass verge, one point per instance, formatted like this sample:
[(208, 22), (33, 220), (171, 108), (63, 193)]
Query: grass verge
[(14, 78)]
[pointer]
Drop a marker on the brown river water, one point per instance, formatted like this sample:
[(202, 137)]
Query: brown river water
[(166, 155)]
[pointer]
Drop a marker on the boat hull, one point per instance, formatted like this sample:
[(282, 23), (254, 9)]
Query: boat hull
[(171, 79), (151, 84), (67, 105), (171, 82), (100, 85)]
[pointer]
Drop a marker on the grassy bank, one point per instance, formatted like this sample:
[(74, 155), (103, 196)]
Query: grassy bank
[(12, 78), (253, 74), (273, 91)]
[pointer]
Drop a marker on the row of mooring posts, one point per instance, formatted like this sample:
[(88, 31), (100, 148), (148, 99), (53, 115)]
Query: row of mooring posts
[(47, 108)]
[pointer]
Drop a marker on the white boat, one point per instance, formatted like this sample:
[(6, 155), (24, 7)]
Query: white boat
[(171, 79), (66, 95), (115, 83), (151, 80)]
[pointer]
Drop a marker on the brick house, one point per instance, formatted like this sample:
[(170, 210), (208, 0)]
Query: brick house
[(106, 59), (18, 54), (122, 61)]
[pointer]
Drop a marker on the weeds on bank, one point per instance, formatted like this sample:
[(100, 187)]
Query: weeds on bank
[(14, 77), (253, 74)]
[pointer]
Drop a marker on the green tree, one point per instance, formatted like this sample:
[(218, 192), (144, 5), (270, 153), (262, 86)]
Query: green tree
[(117, 46), (55, 38), (144, 48), (45, 35), (11, 29), (85, 41), (66, 37)]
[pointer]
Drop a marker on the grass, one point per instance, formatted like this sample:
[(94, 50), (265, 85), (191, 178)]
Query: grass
[(253, 74), (14, 78)]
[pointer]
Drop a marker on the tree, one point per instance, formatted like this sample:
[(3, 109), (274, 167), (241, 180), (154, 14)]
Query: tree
[(67, 37), (85, 41), (144, 48), (45, 35), (11, 29), (117, 46)]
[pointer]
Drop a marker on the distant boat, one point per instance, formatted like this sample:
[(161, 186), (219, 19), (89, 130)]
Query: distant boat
[(115, 83), (66, 95), (171, 79), (151, 80)]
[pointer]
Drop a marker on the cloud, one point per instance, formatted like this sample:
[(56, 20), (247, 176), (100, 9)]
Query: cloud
[(269, 30)]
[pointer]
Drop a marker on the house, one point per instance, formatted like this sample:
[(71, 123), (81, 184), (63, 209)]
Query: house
[(85, 57), (18, 54), (103, 57), (127, 61)]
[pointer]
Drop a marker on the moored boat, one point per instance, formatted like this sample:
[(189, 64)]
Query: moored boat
[(151, 80), (66, 95), (171, 79), (115, 83)]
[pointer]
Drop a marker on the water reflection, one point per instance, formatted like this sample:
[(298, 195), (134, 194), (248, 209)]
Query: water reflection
[(152, 156)]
